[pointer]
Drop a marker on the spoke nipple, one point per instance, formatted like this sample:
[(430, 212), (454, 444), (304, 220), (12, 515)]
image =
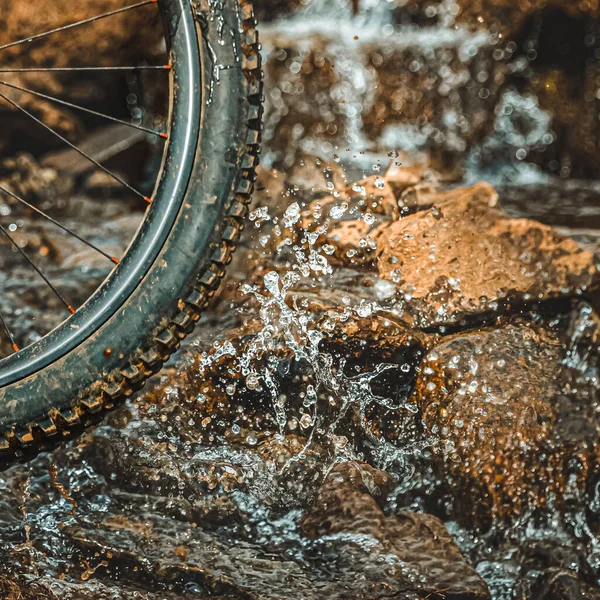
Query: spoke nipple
[(167, 67), (115, 260), (71, 309), (15, 347), (165, 136), (148, 200)]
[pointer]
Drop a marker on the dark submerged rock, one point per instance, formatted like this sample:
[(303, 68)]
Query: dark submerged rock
[(423, 558), (557, 584), (513, 439)]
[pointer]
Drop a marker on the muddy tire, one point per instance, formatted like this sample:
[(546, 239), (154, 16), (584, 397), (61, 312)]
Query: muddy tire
[(59, 400)]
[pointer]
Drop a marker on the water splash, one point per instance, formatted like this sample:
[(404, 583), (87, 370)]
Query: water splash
[(289, 336)]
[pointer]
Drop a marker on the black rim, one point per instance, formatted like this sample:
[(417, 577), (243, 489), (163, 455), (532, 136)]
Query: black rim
[(178, 160)]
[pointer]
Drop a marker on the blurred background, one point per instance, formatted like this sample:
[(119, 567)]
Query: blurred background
[(504, 89)]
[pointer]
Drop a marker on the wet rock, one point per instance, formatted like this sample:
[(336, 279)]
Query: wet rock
[(47, 588), (198, 449), (344, 225), (233, 562), (301, 100), (380, 194), (275, 373), (187, 560), (346, 228), (553, 555), (352, 242), (425, 558), (242, 556), (366, 343), (400, 176), (556, 584), (491, 398), (439, 85), (143, 464), (19, 588), (441, 95), (465, 257), (51, 246), (313, 176)]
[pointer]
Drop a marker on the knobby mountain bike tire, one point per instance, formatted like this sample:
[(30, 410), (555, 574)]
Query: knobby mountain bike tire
[(110, 346)]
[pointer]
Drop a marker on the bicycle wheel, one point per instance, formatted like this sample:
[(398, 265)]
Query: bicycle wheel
[(106, 348)]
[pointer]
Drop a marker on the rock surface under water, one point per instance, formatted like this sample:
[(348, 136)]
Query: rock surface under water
[(330, 434), (395, 393)]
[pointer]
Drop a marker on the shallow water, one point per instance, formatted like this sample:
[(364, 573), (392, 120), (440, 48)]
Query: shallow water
[(200, 487)]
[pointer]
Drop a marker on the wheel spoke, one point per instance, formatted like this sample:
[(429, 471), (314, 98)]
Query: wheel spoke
[(36, 268), (69, 69), (107, 137), (77, 24), (58, 224), (84, 109), (77, 149), (8, 332)]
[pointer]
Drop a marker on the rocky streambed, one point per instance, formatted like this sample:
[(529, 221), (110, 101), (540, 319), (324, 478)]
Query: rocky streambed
[(393, 396), (395, 392)]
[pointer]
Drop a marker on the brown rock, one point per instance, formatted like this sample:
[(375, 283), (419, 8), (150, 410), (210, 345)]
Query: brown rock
[(465, 257), (491, 398), (345, 287), (401, 177), (418, 86), (430, 559), (558, 584), (419, 197), (348, 227), (378, 193), (381, 334), (365, 343), (18, 588), (315, 175), (348, 223), (353, 242)]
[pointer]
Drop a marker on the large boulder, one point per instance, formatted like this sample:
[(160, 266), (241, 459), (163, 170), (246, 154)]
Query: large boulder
[(509, 440), (466, 257)]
